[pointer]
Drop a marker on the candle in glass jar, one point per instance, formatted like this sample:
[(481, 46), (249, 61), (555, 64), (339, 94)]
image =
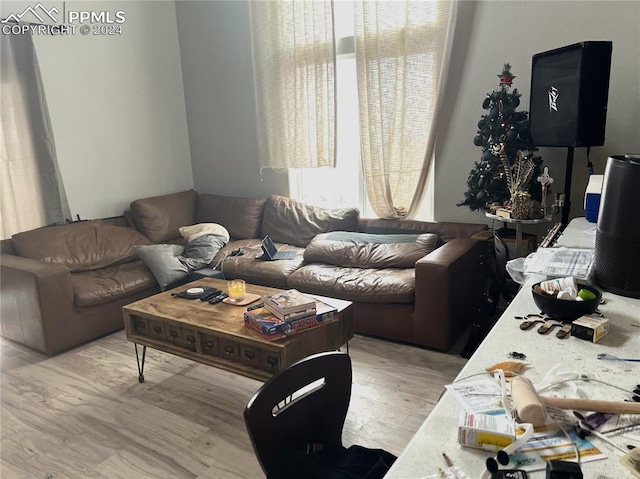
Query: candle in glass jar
[(237, 290)]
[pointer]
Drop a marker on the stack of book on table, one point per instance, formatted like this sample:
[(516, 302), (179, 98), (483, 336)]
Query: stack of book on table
[(288, 312)]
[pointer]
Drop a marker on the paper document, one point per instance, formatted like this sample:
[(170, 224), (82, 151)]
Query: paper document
[(479, 397), (633, 433), (561, 262), (551, 444)]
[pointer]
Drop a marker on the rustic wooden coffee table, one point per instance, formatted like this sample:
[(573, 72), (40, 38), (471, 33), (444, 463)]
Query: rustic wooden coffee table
[(216, 334)]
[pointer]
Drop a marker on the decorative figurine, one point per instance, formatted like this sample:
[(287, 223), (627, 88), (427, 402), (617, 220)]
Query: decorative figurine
[(518, 178), (544, 179)]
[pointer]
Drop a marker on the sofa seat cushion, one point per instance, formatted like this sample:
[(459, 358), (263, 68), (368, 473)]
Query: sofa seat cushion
[(386, 285), (257, 271), (362, 250), (82, 246), (292, 222), (242, 217), (160, 217), (92, 288)]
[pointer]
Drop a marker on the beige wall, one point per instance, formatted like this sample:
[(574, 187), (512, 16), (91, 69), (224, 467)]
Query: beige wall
[(215, 46), (117, 109), (120, 111)]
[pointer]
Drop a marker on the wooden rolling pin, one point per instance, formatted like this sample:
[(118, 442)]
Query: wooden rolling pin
[(532, 408)]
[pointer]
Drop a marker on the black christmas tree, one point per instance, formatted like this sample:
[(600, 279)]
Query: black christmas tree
[(501, 127)]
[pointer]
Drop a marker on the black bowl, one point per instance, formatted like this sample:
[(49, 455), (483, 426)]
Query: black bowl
[(563, 309)]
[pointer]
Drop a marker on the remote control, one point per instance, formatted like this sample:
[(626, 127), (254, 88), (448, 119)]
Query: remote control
[(209, 294), (219, 297), (257, 306)]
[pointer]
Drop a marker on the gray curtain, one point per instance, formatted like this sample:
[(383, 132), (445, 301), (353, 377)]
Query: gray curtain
[(31, 193)]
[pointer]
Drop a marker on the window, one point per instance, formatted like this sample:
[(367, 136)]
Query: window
[(344, 186), (356, 85)]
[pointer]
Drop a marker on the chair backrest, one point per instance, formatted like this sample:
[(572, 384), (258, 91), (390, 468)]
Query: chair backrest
[(305, 403)]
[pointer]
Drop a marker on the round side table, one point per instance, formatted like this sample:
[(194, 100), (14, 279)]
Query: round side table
[(518, 223)]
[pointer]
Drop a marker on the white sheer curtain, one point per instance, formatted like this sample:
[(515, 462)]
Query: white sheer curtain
[(32, 194), (402, 50), (295, 82)]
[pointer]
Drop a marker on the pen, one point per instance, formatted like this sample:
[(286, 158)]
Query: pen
[(449, 464)]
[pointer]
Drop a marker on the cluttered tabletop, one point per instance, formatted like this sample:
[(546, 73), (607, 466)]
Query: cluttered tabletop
[(575, 391)]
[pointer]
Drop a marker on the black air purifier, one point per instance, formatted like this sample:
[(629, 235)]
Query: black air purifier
[(569, 92), (617, 252)]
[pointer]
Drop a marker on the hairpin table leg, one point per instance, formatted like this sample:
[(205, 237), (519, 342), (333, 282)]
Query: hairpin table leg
[(140, 363)]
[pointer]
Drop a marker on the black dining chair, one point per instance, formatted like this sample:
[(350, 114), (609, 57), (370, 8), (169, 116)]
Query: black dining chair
[(295, 422)]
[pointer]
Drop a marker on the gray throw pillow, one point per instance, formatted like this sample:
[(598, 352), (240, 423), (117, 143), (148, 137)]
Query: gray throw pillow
[(201, 251), (164, 262)]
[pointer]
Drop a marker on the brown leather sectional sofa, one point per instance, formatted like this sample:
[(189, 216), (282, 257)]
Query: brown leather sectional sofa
[(61, 286), (411, 281)]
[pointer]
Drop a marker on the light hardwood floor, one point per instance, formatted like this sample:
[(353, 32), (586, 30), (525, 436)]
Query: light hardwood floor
[(83, 414)]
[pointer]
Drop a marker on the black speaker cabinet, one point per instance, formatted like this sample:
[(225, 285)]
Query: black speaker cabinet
[(617, 251), (569, 92)]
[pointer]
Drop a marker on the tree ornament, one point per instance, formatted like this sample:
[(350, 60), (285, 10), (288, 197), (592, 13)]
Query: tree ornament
[(506, 78), (494, 112), (482, 123), (477, 140), (486, 103)]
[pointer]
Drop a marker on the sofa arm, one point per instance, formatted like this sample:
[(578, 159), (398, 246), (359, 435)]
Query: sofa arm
[(450, 284), (36, 300)]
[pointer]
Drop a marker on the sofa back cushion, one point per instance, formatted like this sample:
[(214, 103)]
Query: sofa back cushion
[(241, 217), (358, 250), (160, 217), (292, 222), (446, 231), (84, 246)]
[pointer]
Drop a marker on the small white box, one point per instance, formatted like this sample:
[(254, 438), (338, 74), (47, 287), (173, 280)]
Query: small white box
[(590, 328)]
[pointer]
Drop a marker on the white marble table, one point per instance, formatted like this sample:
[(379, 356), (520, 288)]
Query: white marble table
[(437, 434)]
